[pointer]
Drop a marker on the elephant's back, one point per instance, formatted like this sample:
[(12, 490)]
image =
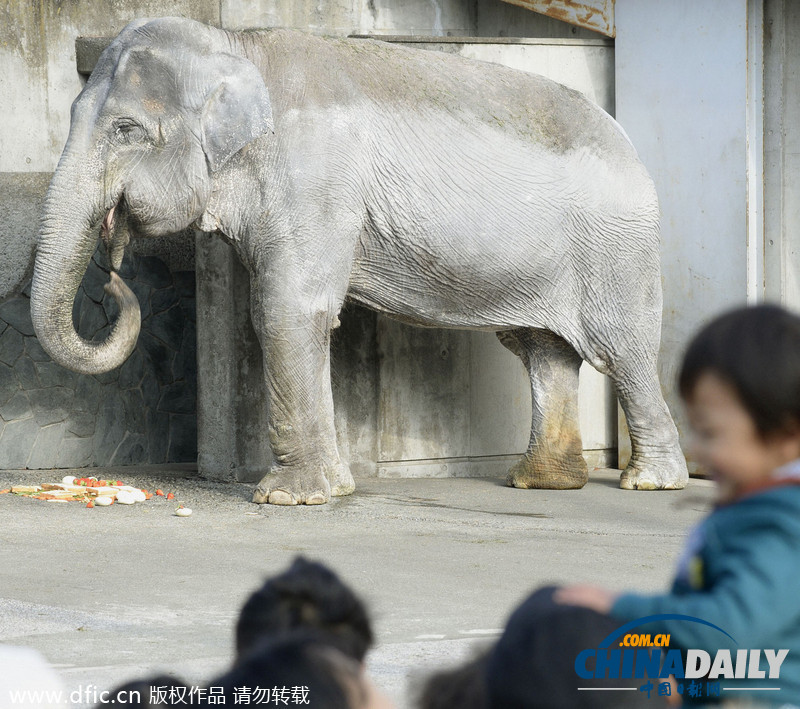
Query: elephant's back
[(408, 84)]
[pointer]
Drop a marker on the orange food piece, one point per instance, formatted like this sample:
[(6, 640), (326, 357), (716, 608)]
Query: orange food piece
[(3, 492), (170, 496), (90, 503), (160, 492)]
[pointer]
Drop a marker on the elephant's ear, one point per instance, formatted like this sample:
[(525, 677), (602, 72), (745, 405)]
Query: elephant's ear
[(236, 111)]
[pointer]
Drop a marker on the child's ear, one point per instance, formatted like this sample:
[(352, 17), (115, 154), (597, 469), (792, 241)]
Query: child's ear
[(789, 438)]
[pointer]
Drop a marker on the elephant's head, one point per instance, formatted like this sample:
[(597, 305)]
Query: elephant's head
[(166, 107)]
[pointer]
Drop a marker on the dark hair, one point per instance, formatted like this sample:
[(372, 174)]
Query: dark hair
[(756, 350), (532, 666), (302, 666), (461, 687), (306, 595)]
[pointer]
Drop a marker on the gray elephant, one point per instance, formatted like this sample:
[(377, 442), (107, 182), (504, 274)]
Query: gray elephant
[(441, 191)]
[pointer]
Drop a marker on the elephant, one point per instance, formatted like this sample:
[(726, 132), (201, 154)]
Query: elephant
[(438, 190)]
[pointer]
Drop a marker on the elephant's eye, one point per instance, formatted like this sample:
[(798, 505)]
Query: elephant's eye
[(128, 131)]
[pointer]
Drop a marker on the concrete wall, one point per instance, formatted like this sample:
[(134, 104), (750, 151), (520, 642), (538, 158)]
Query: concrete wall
[(709, 94), (444, 18), (682, 98), (782, 151)]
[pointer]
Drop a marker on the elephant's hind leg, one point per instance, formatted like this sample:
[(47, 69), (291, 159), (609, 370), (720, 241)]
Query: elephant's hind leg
[(554, 459), (657, 462), (341, 480)]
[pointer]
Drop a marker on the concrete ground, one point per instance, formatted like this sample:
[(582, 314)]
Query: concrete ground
[(109, 594)]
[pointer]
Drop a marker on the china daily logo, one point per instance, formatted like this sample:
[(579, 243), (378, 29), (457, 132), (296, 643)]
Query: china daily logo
[(628, 655)]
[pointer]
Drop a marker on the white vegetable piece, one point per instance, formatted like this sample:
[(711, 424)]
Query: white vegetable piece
[(68, 480), (138, 496), (183, 512), (103, 500), (124, 497)]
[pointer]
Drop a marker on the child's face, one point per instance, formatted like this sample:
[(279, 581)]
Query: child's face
[(726, 442)]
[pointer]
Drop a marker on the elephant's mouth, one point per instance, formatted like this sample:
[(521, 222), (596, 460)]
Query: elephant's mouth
[(115, 232)]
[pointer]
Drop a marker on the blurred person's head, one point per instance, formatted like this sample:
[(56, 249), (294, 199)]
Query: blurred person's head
[(740, 380), (459, 687), (532, 666), (308, 595), (304, 668)]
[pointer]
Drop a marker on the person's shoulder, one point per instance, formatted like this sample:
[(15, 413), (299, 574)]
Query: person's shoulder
[(780, 496), (777, 506)]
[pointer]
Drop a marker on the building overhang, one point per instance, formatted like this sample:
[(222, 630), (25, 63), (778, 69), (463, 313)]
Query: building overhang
[(597, 15)]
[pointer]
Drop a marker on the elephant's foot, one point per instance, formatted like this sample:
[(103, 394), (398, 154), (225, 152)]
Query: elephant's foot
[(670, 474), (293, 487), (341, 480), (565, 472)]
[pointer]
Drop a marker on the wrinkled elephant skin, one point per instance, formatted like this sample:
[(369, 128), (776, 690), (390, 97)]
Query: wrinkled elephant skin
[(438, 190)]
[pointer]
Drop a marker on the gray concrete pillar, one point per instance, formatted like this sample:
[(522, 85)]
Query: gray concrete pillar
[(232, 409)]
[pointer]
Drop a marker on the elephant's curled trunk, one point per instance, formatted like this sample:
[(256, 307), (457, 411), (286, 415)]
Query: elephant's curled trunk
[(67, 239)]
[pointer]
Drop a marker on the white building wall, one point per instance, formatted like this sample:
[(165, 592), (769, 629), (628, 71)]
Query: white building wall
[(681, 95)]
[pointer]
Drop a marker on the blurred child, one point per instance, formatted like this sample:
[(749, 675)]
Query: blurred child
[(459, 687), (297, 667), (740, 569), (308, 595), (532, 664)]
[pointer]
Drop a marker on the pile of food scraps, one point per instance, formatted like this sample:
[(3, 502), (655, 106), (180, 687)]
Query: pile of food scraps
[(91, 491)]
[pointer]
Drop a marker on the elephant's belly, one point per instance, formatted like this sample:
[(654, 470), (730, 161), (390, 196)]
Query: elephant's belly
[(492, 294)]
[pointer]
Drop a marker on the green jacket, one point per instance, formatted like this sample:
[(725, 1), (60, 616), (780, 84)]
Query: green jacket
[(741, 572)]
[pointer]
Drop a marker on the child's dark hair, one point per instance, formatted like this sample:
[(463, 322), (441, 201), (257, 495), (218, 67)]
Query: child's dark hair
[(300, 667), (308, 595), (460, 687), (532, 665), (756, 351)]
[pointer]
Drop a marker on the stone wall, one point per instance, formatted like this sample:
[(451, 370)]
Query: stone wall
[(143, 412)]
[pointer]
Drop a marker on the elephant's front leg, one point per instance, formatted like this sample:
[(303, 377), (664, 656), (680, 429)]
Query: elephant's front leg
[(296, 349)]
